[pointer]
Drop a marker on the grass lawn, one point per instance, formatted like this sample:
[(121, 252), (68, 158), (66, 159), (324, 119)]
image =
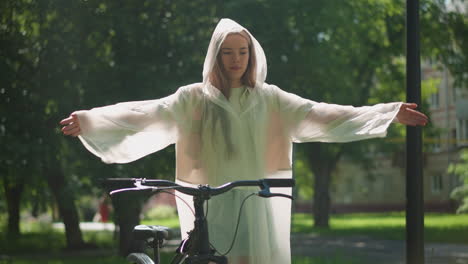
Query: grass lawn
[(442, 228), (169, 222), (44, 244), (67, 260), (165, 258)]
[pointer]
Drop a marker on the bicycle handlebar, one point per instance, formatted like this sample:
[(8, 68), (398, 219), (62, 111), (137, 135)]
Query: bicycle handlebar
[(152, 184)]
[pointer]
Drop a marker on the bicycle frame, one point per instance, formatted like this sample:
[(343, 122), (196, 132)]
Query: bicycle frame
[(199, 250), (196, 249)]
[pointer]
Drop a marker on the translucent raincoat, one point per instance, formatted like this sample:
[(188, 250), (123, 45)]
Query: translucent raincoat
[(216, 144)]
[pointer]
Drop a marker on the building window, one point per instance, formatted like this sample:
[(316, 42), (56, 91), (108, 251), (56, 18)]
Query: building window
[(436, 145), (453, 138), (462, 132), (435, 99), (436, 183), (454, 95)]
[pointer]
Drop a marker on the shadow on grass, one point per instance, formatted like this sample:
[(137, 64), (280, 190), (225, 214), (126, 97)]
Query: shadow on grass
[(67, 260), (165, 259), (33, 243), (52, 242)]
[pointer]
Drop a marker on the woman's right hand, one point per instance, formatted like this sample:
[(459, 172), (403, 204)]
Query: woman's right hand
[(71, 126)]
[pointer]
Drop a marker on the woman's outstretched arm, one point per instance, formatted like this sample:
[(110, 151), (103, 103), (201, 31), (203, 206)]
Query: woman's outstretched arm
[(310, 121), (124, 132)]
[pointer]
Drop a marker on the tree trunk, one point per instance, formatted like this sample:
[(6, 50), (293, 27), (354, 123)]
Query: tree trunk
[(321, 207), (13, 193), (127, 215), (322, 161), (67, 209)]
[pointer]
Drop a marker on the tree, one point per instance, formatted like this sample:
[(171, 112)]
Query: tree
[(341, 52), (338, 41), (18, 162), (461, 170), (142, 57)]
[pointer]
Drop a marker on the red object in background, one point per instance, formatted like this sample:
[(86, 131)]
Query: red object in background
[(104, 210)]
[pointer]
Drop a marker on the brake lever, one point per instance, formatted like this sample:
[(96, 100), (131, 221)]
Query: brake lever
[(269, 194), (138, 187), (265, 192)]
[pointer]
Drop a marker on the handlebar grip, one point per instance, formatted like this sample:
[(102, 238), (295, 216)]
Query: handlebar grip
[(127, 182), (117, 183), (268, 195), (280, 182)]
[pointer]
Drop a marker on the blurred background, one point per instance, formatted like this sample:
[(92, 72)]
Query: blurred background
[(59, 56)]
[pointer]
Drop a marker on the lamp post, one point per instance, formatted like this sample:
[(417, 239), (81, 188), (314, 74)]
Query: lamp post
[(414, 174)]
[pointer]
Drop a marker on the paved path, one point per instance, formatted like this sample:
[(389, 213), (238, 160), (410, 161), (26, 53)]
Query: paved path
[(374, 251)]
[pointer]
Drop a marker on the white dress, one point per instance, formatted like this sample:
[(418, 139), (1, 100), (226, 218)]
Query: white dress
[(256, 224), (218, 141)]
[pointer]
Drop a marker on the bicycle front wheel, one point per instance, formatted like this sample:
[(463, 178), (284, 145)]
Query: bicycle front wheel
[(139, 258)]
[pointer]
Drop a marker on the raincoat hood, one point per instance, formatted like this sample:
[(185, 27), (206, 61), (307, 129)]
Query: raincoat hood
[(223, 29)]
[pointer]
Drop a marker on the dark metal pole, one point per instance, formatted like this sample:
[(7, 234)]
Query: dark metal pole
[(414, 175)]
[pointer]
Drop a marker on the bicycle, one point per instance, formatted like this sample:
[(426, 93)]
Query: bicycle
[(196, 248)]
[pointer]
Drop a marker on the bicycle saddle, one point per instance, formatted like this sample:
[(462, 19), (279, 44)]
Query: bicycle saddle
[(144, 232)]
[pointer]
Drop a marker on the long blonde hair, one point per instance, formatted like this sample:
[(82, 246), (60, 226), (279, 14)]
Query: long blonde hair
[(218, 77)]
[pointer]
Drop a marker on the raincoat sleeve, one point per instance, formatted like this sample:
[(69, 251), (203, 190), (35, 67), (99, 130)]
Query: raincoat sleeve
[(309, 121), (125, 132)]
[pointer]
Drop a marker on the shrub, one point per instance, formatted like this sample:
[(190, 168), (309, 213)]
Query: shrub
[(461, 170), (160, 212)]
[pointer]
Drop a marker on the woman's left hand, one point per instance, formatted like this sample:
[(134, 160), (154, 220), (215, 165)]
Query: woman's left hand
[(411, 117)]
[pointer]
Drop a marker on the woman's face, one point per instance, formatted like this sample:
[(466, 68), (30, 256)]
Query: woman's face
[(235, 57)]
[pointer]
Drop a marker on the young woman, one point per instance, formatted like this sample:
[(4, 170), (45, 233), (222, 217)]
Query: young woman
[(232, 126)]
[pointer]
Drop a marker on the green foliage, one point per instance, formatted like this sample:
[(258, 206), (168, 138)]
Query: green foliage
[(460, 169), (160, 212), (450, 45), (304, 178), (390, 80)]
